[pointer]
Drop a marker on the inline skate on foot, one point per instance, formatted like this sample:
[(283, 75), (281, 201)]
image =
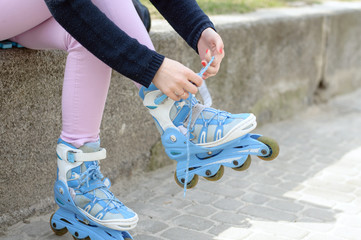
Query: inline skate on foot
[(87, 208), (204, 140)]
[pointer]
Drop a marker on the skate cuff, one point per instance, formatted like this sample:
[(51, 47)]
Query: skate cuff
[(86, 157)]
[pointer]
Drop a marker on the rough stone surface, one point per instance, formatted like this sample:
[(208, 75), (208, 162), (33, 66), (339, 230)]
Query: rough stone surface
[(342, 54), (278, 63)]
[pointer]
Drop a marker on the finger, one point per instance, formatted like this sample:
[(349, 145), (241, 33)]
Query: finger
[(185, 95), (208, 56), (189, 87), (212, 70), (195, 79), (218, 52), (172, 95), (205, 76), (218, 58), (219, 47)]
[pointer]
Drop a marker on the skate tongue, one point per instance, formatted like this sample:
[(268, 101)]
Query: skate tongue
[(89, 148), (196, 111)]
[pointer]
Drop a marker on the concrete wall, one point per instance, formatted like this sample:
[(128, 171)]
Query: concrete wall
[(277, 63)]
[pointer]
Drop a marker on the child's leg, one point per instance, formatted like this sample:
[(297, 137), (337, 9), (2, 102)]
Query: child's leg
[(86, 82), (17, 16), (86, 78)]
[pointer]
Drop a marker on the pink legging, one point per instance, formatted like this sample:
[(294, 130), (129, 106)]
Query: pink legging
[(86, 79)]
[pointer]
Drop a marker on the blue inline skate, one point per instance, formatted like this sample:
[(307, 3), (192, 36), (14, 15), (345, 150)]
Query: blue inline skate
[(87, 208), (202, 139)]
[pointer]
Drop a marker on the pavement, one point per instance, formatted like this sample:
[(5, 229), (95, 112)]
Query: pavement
[(312, 191)]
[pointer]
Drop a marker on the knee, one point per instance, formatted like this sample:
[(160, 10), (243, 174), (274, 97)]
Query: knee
[(72, 44)]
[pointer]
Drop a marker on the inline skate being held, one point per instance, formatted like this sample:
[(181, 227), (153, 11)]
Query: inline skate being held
[(87, 208), (202, 139)]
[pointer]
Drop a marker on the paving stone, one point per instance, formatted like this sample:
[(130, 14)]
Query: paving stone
[(319, 236), (279, 229), (239, 183), (182, 234), (276, 173), (350, 220), (222, 189), (328, 215), (201, 210), (193, 222), (223, 228), (230, 218), (146, 237), (264, 236), (311, 198), (157, 212), (228, 204), (267, 213), (17, 237), (268, 190), (355, 181), (331, 185), (286, 205), (199, 197), (314, 225), (171, 202), (36, 229), (267, 180), (151, 226), (288, 185), (347, 232), (349, 208), (255, 198), (328, 194), (232, 233)]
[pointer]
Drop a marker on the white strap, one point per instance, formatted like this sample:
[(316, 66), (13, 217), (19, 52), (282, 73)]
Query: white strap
[(87, 157)]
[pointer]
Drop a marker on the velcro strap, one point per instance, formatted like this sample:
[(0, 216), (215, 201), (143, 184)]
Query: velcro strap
[(86, 157)]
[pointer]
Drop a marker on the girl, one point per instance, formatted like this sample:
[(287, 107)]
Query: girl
[(99, 35)]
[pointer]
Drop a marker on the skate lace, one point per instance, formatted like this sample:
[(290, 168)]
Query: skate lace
[(218, 114), (93, 173), (191, 105), (204, 91)]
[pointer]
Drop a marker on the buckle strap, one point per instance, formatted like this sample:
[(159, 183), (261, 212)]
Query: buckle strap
[(73, 156)]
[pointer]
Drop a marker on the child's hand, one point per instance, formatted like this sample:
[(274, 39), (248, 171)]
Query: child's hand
[(210, 44), (175, 80)]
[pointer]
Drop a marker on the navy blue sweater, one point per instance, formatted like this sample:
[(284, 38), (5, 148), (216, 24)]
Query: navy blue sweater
[(88, 25)]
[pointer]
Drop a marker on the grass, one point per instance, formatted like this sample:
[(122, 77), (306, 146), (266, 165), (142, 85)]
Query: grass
[(216, 7)]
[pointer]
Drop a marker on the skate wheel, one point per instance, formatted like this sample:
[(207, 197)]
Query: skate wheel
[(273, 146), (190, 184), (216, 176), (245, 165), (58, 232)]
